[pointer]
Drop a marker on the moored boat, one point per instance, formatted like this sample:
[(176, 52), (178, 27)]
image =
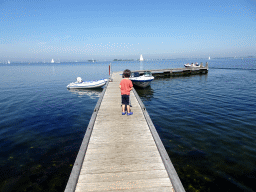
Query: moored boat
[(143, 80), (80, 84), (192, 65)]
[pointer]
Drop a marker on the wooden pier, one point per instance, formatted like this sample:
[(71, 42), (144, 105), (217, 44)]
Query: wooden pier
[(120, 152), (177, 71)]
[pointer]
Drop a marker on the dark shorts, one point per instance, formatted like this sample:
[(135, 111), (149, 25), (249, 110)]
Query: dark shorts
[(125, 99)]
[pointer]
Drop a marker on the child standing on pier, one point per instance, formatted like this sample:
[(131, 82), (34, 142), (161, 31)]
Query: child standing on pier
[(125, 87)]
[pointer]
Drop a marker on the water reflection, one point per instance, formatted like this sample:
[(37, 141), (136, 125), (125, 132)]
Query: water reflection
[(203, 77), (53, 70), (146, 94), (141, 65), (92, 93)]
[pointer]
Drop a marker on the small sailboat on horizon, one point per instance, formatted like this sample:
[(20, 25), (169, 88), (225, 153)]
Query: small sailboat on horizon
[(141, 58), (209, 58), (52, 61)]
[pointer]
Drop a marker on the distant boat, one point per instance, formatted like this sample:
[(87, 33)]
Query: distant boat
[(92, 60), (8, 62), (209, 58), (52, 61), (141, 58)]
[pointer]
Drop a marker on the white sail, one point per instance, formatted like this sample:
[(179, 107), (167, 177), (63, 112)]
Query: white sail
[(141, 58), (8, 62), (209, 58), (52, 61)]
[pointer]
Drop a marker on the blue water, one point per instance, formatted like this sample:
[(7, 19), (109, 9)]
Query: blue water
[(206, 122)]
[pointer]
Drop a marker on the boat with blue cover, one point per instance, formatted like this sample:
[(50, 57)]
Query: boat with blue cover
[(80, 84), (142, 80)]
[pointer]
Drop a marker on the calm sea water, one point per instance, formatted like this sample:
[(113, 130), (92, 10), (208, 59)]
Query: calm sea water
[(206, 122)]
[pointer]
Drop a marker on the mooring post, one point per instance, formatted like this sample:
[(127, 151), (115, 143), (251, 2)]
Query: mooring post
[(201, 64), (206, 65), (110, 72)]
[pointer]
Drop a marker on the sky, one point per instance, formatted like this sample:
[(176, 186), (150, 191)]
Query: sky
[(70, 30)]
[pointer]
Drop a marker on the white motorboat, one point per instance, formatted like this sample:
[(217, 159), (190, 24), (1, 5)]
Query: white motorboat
[(143, 80), (192, 65), (80, 84)]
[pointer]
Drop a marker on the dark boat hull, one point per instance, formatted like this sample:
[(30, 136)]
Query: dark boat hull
[(142, 84)]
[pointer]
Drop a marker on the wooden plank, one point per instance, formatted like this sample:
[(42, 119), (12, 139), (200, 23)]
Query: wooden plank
[(103, 149), (125, 185), (123, 176), (152, 189), (113, 166)]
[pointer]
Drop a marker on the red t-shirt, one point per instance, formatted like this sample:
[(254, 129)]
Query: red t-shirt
[(126, 85)]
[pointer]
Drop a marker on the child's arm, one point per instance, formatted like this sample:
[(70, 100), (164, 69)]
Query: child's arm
[(131, 85), (120, 86)]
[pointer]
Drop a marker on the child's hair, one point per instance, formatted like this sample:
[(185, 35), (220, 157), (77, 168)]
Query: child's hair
[(127, 73)]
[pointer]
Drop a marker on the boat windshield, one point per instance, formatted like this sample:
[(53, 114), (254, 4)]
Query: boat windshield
[(148, 74), (135, 74)]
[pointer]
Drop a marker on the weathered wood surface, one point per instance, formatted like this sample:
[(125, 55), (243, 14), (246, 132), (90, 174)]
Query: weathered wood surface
[(122, 154)]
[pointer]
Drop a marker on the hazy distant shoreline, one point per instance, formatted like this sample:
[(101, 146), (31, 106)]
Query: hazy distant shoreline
[(120, 60)]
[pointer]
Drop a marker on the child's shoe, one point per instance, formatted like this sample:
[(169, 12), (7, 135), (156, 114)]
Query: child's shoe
[(130, 113), (123, 113)]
